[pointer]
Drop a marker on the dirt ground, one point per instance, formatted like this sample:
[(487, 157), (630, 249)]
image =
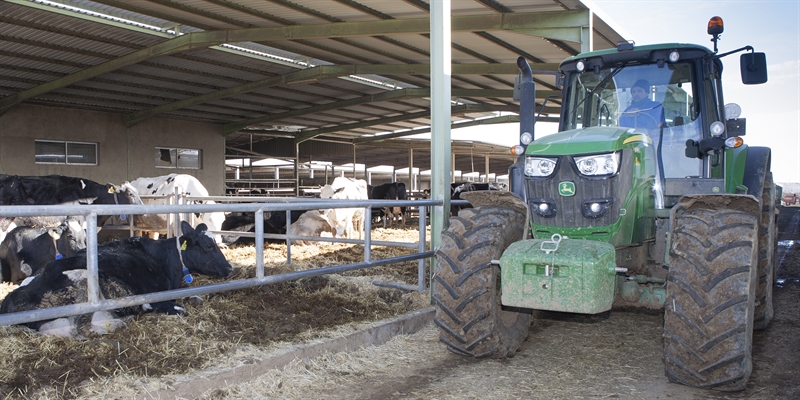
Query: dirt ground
[(617, 357)]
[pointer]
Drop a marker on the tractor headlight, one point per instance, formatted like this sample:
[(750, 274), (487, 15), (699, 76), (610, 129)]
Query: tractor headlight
[(596, 208), (539, 167), (599, 164), (543, 207)]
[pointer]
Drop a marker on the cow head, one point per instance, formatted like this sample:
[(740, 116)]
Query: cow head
[(125, 193), (69, 237), (200, 253)]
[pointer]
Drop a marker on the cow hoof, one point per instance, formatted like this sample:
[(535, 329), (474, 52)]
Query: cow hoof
[(178, 310)]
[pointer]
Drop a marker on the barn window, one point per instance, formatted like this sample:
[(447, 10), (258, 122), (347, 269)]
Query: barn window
[(76, 153), (170, 157)]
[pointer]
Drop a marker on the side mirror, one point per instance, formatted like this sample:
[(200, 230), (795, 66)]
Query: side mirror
[(754, 68)]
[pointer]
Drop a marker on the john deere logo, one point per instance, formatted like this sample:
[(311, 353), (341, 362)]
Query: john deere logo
[(566, 189)]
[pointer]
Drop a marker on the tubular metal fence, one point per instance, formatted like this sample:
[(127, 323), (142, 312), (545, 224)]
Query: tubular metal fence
[(256, 205)]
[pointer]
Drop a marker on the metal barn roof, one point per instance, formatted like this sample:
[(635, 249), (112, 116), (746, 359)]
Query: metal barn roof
[(334, 76)]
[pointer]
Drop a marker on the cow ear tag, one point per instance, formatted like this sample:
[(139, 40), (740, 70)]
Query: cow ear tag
[(183, 246), (111, 190)]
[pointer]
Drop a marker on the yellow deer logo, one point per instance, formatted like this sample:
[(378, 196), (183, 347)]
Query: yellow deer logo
[(566, 189)]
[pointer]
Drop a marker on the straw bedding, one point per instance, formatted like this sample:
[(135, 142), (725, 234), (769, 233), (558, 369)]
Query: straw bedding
[(223, 328)]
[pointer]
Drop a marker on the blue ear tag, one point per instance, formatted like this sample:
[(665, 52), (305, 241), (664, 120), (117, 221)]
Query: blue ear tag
[(187, 277), (123, 217), (59, 256)]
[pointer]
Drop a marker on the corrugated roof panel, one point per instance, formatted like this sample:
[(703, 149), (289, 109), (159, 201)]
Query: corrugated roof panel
[(181, 13), (121, 13), (337, 10), (283, 12)]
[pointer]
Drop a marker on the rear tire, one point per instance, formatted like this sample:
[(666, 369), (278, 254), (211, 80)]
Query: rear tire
[(767, 247), (708, 321), (466, 293)]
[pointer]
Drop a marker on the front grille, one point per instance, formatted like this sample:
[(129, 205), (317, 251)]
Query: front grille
[(568, 208)]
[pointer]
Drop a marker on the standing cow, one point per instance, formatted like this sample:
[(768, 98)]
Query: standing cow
[(58, 189), (344, 219), (127, 267), (456, 189), (25, 250), (390, 191), (164, 186)]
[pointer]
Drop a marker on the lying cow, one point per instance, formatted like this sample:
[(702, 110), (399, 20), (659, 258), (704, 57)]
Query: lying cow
[(343, 220), (311, 223), (274, 222), (164, 186), (128, 267), (25, 250), (58, 189)]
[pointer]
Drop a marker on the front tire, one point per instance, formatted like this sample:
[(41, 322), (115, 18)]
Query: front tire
[(708, 321), (469, 315)]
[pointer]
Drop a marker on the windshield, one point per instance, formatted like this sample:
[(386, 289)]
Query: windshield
[(658, 101), (609, 98)]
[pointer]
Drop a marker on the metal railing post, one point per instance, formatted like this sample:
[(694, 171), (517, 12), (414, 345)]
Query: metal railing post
[(259, 227), (422, 247), (92, 281), (288, 241), (367, 233)]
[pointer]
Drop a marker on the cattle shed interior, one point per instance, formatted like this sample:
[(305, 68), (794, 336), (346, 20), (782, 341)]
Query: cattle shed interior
[(241, 94)]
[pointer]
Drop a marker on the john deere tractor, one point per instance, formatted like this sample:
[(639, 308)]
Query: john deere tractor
[(642, 199)]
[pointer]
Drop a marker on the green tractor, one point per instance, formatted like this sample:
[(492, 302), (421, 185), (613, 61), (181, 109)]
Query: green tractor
[(655, 204)]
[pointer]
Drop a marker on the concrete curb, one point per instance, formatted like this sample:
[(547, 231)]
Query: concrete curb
[(377, 334)]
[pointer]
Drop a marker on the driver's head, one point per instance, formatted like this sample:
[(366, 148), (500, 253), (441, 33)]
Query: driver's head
[(640, 90)]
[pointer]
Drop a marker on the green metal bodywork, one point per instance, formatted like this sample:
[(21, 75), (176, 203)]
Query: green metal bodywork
[(636, 223), (734, 168), (577, 276), (580, 276)]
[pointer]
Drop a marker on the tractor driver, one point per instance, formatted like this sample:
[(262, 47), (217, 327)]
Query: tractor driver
[(643, 113)]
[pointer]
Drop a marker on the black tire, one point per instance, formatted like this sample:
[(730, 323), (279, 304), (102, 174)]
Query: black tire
[(767, 247), (466, 292), (708, 319)]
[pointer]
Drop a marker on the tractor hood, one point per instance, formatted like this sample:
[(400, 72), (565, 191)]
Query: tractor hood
[(588, 141)]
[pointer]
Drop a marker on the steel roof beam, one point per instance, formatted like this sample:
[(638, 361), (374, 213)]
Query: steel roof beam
[(386, 96), (310, 75), (467, 108)]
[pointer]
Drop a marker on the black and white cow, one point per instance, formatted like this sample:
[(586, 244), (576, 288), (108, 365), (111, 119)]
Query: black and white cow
[(461, 187), (58, 189), (25, 250), (390, 191), (126, 267), (346, 221), (274, 222), (165, 186)]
